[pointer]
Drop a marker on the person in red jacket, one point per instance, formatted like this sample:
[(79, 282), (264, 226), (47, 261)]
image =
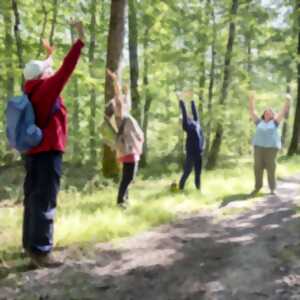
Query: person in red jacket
[(43, 163)]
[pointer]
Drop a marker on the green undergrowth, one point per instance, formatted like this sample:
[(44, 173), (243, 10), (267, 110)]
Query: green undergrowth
[(89, 215)]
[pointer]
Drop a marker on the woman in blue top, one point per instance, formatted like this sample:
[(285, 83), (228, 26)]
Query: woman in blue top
[(266, 142)]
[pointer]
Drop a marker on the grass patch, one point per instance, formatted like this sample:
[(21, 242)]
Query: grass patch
[(85, 218)]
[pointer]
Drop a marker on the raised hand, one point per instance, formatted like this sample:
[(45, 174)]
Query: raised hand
[(178, 95), (78, 27), (251, 95), (288, 97), (125, 89), (48, 47), (251, 100), (112, 75)]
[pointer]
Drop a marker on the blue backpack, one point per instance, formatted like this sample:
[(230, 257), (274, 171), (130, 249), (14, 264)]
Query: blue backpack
[(21, 130)]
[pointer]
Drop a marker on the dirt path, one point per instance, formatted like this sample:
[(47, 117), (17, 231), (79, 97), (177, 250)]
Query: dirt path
[(253, 255)]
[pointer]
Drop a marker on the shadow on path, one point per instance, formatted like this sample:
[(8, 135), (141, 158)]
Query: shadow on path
[(251, 256)]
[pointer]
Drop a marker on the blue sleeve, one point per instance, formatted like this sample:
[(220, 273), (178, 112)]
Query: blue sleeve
[(184, 115), (194, 111)]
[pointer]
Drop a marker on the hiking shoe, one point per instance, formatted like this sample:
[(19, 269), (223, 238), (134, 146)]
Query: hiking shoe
[(123, 205), (44, 261)]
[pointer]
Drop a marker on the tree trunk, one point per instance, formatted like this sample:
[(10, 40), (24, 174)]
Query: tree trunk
[(8, 49), (92, 121), (76, 153), (216, 145), (133, 60), (249, 37), (54, 21), (249, 58), (75, 129), (18, 37), (294, 145), (45, 13), (148, 97), (114, 57), (203, 49), (211, 78), (286, 118), (202, 81)]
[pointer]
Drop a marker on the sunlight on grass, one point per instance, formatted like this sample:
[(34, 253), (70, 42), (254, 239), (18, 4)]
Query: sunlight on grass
[(85, 218)]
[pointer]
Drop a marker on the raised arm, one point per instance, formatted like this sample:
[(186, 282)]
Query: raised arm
[(194, 111), (56, 82), (118, 94), (184, 115), (284, 110), (251, 100), (53, 85), (49, 49)]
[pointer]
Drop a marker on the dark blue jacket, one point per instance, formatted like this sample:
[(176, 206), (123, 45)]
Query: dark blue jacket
[(195, 137)]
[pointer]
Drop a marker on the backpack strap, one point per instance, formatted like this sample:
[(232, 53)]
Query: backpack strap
[(55, 108)]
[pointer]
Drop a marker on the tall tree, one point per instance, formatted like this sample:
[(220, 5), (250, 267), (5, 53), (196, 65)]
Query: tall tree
[(148, 96), (133, 59), (248, 39), (202, 81), (17, 33), (203, 46), (285, 126), (113, 62), (6, 9), (92, 120), (54, 20), (295, 142), (42, 35), (211, 75), (75, 127), (216, 144)]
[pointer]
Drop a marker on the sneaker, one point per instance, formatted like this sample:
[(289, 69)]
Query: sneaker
[(44, 261), (273, 192), (123, 205)]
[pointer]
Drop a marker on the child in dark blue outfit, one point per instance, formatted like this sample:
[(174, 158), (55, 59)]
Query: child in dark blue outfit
[(194, 145)]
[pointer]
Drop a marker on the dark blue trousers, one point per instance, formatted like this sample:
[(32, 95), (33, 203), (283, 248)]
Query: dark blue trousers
[(41, 186), (192, 161), (129, 172)]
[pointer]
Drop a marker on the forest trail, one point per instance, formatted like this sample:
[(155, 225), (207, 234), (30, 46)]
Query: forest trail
[(251, 255)]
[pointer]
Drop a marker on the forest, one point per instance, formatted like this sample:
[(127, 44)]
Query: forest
[(219, 50), (214, 51)]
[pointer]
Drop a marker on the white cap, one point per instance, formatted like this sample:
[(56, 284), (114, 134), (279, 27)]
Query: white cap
[(36, 68)]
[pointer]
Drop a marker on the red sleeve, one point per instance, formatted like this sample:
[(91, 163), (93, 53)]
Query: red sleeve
[(53, 86)]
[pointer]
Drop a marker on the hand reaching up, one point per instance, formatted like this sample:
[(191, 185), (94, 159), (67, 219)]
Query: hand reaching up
[(78, 27), (49, 49), (112, 75), (288, 97), (251, 95)]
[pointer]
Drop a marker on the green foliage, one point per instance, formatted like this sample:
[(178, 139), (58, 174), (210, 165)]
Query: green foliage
[(180, 36)]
